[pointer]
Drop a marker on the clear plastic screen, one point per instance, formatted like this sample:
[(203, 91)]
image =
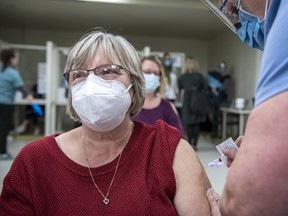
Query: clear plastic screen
[(214, 6)]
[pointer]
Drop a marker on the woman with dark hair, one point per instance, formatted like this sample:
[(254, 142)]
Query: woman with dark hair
[(10, 82)]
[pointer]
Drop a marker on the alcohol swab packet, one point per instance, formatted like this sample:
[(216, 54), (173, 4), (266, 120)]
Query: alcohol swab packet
[(227, 144), (222, 160)]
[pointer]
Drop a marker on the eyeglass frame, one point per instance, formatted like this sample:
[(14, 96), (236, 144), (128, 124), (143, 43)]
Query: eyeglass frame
[(66, 74), (227, 21), (222, 8)]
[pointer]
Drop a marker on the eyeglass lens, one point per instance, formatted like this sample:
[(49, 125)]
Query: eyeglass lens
[(230, 8), (106, 72)]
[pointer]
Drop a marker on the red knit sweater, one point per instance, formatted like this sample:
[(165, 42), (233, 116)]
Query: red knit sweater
[(44, 181)]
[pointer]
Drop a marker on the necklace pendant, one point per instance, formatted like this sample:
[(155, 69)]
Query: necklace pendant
[(105, 201)]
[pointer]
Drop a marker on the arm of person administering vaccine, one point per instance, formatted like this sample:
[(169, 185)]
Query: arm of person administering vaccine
[(257, 181)]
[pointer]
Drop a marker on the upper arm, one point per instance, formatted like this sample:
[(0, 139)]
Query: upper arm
[(17, 80), (257, 179), (191, 182), (173, 118), (174, 108)]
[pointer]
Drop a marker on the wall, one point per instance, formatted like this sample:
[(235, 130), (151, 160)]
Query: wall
[(243, 63), (196, 48)]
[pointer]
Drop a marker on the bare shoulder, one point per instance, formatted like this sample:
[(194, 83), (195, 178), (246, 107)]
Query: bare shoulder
[(191, 182), (184, 150)]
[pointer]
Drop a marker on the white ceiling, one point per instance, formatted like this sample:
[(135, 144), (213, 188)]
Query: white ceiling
[(153, 18)]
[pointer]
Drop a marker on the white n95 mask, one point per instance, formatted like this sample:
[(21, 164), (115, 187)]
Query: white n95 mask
[(101, 104), (152, 82)]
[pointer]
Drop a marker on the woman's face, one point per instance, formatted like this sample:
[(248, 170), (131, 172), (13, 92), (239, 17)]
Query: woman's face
[(149, 67), (14, 60), (100, 59)]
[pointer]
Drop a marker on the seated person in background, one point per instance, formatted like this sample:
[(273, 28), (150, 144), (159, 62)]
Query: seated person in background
[(110, 165), (155, 106), (30, 116)]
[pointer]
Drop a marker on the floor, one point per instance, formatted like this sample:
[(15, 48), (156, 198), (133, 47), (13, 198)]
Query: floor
[(206, 152)]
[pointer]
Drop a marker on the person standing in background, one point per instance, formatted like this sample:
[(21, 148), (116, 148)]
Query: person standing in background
[(218, 82), (192, 81), (171, 79), (10, 81), (167, 64), (171, 88), (155, 106)]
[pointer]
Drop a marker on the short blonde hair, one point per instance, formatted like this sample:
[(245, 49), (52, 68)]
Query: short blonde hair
[(157, 61), (192, 65), (116, 49)]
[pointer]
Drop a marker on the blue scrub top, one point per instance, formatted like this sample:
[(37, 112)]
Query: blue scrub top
[(274, 68), (10, 81)]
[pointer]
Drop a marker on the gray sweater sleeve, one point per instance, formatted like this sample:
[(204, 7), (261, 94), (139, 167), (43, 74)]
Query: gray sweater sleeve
[(24, 91)]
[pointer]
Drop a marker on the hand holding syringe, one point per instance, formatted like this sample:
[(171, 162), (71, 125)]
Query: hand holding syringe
[(227, 145)]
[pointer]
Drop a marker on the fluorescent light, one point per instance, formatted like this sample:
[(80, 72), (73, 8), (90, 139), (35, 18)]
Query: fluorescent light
[(109, 1), (154, 3)]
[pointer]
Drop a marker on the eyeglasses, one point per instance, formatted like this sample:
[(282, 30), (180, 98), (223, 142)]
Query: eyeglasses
[(230, 9), (233, 25), (106, 72)]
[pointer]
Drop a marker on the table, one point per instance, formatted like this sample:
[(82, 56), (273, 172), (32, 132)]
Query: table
[(23, 102), (26, 102), (54, 125), (241, 113)]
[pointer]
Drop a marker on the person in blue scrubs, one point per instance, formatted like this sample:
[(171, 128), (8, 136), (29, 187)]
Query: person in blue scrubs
[(257, 179), (10, 82)]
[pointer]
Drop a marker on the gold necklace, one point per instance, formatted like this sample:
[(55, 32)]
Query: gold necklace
[(105, 198)]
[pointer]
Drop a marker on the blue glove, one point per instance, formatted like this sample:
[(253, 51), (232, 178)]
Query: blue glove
[(37, 109)]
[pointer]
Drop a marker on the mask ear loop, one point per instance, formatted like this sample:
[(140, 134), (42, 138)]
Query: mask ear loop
[(238, 24), (238, 5), (266, 8), (129, 87)]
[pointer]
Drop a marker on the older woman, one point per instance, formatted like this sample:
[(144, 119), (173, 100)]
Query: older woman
[(155, 106), (110, 165)]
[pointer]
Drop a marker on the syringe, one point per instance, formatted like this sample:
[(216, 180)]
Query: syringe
[(219, 162)]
